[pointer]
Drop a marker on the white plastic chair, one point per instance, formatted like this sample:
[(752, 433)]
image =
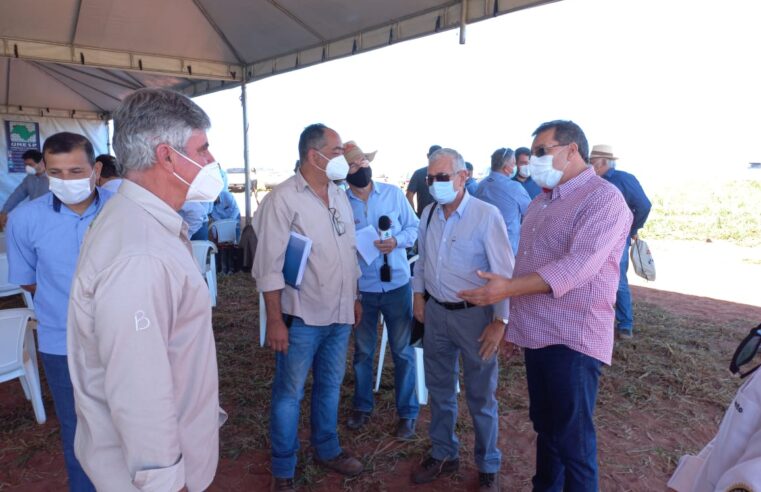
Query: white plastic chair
[(205, 255), (8, 289), (225, 231), (18, 356)]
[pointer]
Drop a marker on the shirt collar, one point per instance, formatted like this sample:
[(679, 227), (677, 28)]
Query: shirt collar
[(302, 184), (157, 208), (573, 184), (460, 208), (351, 194)]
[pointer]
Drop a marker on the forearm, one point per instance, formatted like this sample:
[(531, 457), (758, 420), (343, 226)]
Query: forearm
[(272, 303), (529, 284)]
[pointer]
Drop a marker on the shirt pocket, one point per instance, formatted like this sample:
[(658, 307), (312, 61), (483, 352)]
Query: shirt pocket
[(467, 255)]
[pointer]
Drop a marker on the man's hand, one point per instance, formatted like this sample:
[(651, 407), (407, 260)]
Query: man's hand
[(3, 220), (491, 338), (277, 335), (357, 312), (496, 289), (418, 307), (387, 246)]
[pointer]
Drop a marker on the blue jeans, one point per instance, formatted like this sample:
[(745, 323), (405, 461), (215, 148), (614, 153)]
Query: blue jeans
[(59, 382), (396, 307), (323, 349), (624, 314), (562, 390)]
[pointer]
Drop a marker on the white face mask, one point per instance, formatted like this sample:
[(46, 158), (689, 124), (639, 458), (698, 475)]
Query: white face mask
[(71, 191), (514, 172), (30, 170), (524, 171), (208, 183), (337, 167), (543, 173), (443, 192)]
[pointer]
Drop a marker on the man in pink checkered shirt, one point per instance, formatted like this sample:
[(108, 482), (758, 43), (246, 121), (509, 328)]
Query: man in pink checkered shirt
[(563, 291)]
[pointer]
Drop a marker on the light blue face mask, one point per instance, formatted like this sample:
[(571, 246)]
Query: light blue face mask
[(443, 192)]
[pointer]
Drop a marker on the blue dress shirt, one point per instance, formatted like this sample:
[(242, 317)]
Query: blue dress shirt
[(634, 195), (473, 238), (530, 186), (43, 239), (510, 198), (386, 199), (471, 185)]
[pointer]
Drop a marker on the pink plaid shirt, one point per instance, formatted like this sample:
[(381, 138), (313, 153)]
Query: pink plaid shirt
[(573, 238)]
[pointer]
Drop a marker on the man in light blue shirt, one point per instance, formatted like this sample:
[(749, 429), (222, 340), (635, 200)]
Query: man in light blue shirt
[(463, 236), (507, 195), (388, 293), (43, 240)]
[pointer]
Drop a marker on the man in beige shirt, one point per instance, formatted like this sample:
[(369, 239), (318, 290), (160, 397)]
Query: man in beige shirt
[(309, 326), (141, 348)]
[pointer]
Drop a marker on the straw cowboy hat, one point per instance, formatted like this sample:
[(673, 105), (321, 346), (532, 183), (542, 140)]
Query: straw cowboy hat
[(353, 153), (604, 151)]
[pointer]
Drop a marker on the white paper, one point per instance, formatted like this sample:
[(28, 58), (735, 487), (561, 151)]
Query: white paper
[(365, 246)]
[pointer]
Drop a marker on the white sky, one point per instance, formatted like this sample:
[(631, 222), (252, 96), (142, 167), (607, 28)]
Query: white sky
[(673, 85)]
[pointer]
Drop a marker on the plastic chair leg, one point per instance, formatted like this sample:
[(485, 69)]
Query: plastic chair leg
[(32, 379), (381, 355), (420, 389), (262, 320)]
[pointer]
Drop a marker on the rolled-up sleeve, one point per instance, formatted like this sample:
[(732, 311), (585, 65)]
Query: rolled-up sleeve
[(272, 225), (600, 229), (136, 302), (500, 256)]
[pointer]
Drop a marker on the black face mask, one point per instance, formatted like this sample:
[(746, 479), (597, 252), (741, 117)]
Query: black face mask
[(361, 178)]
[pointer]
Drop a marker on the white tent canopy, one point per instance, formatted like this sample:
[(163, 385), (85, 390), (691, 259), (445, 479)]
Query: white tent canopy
[(80, 58)]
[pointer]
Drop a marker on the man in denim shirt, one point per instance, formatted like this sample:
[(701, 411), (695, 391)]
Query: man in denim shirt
[(603, 160), (391, 297)]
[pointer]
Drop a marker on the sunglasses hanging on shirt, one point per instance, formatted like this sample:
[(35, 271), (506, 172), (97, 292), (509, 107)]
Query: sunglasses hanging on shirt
[(746, 352)]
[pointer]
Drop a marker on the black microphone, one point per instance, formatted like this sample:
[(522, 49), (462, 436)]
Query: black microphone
[(384, 226)]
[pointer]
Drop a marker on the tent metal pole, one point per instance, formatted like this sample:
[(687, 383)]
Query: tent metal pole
[(463, 20), (246, 165)]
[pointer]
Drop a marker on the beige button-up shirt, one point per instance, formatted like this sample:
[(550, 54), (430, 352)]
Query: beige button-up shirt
[(141, 351), (329, 286)]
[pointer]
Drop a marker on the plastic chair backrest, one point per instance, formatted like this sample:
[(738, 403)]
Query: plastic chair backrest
[(224, 231), (4, 284), (201, 254), (12, 331)]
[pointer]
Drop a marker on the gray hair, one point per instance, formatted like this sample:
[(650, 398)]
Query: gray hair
[(148, 118), (457, 160)]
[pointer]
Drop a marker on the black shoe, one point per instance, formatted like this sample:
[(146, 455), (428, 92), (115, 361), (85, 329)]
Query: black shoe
[(358, 419), (282, 485), (431, 469), (405, 429), (488, 482)]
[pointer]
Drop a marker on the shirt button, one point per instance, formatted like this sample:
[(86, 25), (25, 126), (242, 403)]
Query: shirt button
[(525, 253), (533, 229)]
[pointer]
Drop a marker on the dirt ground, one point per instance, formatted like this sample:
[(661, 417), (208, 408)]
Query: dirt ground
[(663, 396)]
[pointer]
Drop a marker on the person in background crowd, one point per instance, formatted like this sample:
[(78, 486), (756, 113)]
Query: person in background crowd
[(603, 161), (471, 184), (523, 176), (562, 292), (417, 189), (309, 327), (464, 235), (508, 196), (226, 208), (389, 296), (43, 240), (141, 347), (34, 184), (109, 176)]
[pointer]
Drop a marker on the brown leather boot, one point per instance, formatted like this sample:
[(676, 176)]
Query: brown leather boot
[(344, 464), (282, 485), (430, 469)]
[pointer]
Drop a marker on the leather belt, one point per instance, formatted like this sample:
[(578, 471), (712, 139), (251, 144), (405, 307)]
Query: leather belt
[(453, 306)]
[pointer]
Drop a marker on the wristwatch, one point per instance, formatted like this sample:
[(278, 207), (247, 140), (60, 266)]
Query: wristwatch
[(501, 320)]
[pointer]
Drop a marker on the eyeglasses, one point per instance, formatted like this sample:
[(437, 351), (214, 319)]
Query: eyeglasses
[(338, 224), (542, 151), (429, 179), (746, 351)]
